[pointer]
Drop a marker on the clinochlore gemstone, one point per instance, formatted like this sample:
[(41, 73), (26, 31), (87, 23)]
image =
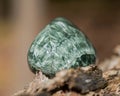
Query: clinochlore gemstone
[(60, 45)]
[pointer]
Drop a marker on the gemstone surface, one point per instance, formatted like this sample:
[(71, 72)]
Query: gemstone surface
[(60, 45)]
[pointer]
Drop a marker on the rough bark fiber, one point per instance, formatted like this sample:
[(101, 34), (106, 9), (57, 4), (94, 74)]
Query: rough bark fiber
[(100, 80)]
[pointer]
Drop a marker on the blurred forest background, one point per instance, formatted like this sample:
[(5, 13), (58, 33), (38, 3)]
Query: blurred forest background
[(21, 20)]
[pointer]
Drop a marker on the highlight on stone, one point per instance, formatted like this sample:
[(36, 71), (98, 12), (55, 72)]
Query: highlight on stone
[(60, 45)]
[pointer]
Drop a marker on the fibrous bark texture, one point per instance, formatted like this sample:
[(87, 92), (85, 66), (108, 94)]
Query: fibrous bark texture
[(100, 80)]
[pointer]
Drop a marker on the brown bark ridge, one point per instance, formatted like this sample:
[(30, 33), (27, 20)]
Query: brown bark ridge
[(102, 79)]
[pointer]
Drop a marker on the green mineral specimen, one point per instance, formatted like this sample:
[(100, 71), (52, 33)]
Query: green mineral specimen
[(60, 45)]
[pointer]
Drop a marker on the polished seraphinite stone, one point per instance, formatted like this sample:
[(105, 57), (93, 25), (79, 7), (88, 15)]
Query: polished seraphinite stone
[(60, 45)]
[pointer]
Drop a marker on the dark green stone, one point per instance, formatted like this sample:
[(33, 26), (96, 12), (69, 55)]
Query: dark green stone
[(60, 45)]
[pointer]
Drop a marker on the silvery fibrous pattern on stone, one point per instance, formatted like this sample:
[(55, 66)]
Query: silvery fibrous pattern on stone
[(60, 45)]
